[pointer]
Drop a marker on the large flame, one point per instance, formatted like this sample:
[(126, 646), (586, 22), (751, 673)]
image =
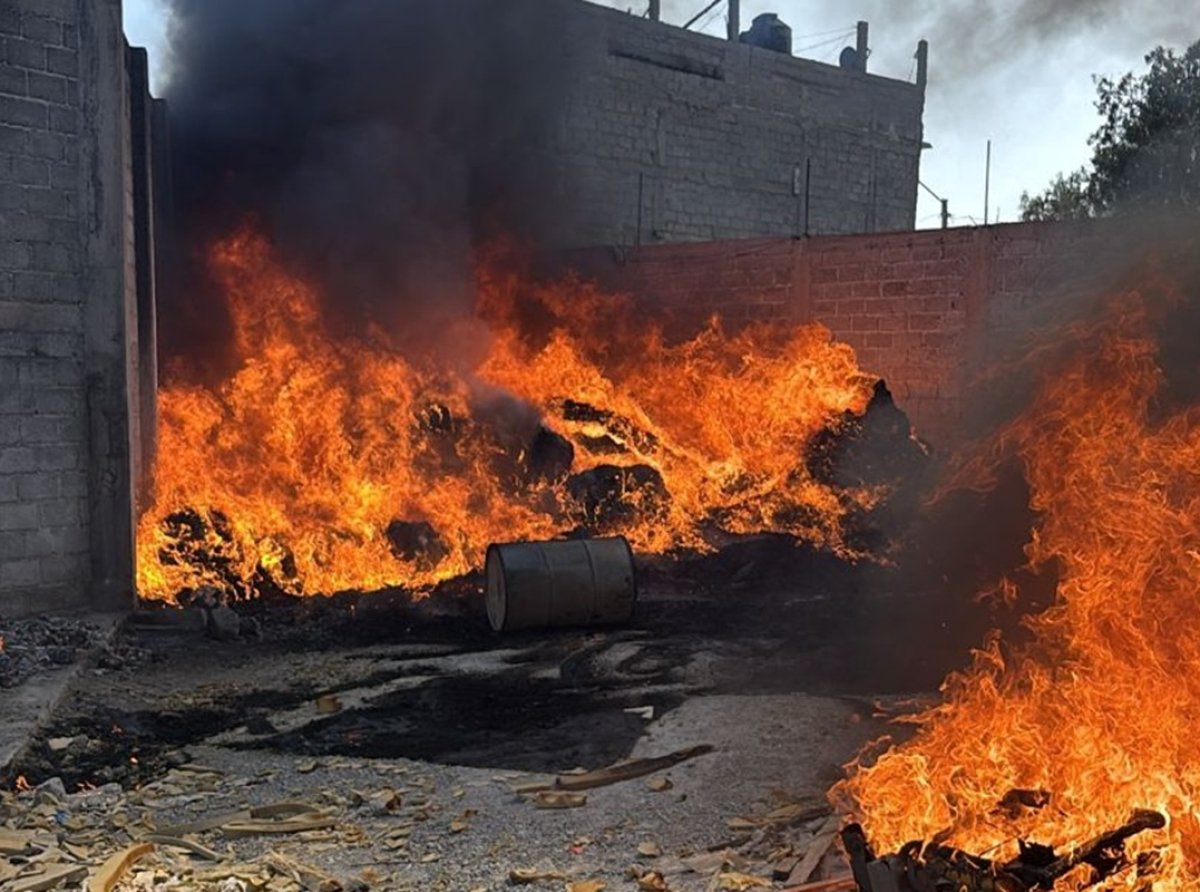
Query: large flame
[(293, 469), (1101, 709)]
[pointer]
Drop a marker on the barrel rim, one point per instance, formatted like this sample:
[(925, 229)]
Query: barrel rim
[(497, 607), (633, 571)]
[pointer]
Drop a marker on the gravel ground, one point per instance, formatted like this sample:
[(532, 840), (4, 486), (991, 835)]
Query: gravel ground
[(409, 731), (453, 828)]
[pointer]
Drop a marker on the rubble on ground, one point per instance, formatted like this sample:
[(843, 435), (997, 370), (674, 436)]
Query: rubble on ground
[(193, 830), (31, 646)]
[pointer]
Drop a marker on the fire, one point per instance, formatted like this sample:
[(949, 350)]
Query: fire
[(327, 463), (1097, 715)]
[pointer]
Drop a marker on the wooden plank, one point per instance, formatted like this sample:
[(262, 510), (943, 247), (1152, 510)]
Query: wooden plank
[(816, 851)]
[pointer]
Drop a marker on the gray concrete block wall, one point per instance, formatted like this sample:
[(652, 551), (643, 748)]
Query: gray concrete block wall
[(673, 136), (43, 419), (64, 390)]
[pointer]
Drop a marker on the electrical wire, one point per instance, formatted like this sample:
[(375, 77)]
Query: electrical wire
[(690, 22), (838, 31), (824, 43), (711, 18)]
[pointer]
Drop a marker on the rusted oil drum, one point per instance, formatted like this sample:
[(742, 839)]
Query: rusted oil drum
[(576, 582)]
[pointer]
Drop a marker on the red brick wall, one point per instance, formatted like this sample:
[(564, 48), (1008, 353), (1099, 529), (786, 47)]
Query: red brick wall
[(919, 307)]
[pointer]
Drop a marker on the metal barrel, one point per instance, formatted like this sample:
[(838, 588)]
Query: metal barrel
[(575, 582)]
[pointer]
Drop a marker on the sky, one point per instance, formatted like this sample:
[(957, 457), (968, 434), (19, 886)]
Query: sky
[(1017, 72)]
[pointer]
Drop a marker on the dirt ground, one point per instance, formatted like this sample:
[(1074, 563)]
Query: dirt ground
[(402, 734)]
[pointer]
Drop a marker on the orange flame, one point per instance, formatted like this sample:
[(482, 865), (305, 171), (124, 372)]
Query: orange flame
[(294, 467), (1102, 709)]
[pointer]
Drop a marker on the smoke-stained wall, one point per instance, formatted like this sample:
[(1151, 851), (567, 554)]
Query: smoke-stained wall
[(673, 136)]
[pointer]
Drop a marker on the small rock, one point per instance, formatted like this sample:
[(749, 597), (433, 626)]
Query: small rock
[(53, 790), (58, 744), (177, 758), (224, 624)]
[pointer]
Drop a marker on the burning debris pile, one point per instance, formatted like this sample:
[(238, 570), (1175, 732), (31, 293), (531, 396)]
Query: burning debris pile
[(926, 868), (1094, 716), (328, 462)]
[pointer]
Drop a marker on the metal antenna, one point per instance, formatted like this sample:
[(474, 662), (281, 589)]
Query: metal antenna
[(987, 184)]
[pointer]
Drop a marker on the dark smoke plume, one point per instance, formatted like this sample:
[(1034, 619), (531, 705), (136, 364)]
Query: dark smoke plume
[(374, 140), (972, 37)]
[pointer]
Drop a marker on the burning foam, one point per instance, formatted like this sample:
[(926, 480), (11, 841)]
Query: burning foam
[(1097, 716), (327, 463)]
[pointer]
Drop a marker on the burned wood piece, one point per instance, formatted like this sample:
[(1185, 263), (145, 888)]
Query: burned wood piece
[(817, 847), (1104, 854), (629, 769), (918, 867)]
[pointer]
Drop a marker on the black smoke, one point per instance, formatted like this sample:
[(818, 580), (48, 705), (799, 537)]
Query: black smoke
[(375, 141)]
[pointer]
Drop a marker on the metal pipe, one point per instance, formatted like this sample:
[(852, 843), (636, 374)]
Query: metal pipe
[(987, 184), (655, 11), (735, 20), (807, 192), (861, 47)]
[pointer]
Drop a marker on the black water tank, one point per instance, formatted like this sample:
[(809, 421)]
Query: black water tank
[(768, 32)]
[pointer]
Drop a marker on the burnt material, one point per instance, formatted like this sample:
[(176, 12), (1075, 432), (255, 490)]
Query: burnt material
[(918, 867), (874, 448), (619, 433), (416, 543), (607, 495), (548, 459)]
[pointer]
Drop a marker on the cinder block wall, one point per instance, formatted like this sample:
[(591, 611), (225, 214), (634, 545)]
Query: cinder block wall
[(672, 136), (66, 375), (920, 308)]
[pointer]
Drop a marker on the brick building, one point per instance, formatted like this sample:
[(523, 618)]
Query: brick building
[(673, 136), (76, 300)]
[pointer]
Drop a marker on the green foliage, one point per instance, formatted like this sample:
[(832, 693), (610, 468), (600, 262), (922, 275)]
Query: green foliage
[(1067, 198), (1146, 152)]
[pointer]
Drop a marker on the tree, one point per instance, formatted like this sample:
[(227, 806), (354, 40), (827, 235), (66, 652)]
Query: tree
[(1146, 152), (1067, 198)]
